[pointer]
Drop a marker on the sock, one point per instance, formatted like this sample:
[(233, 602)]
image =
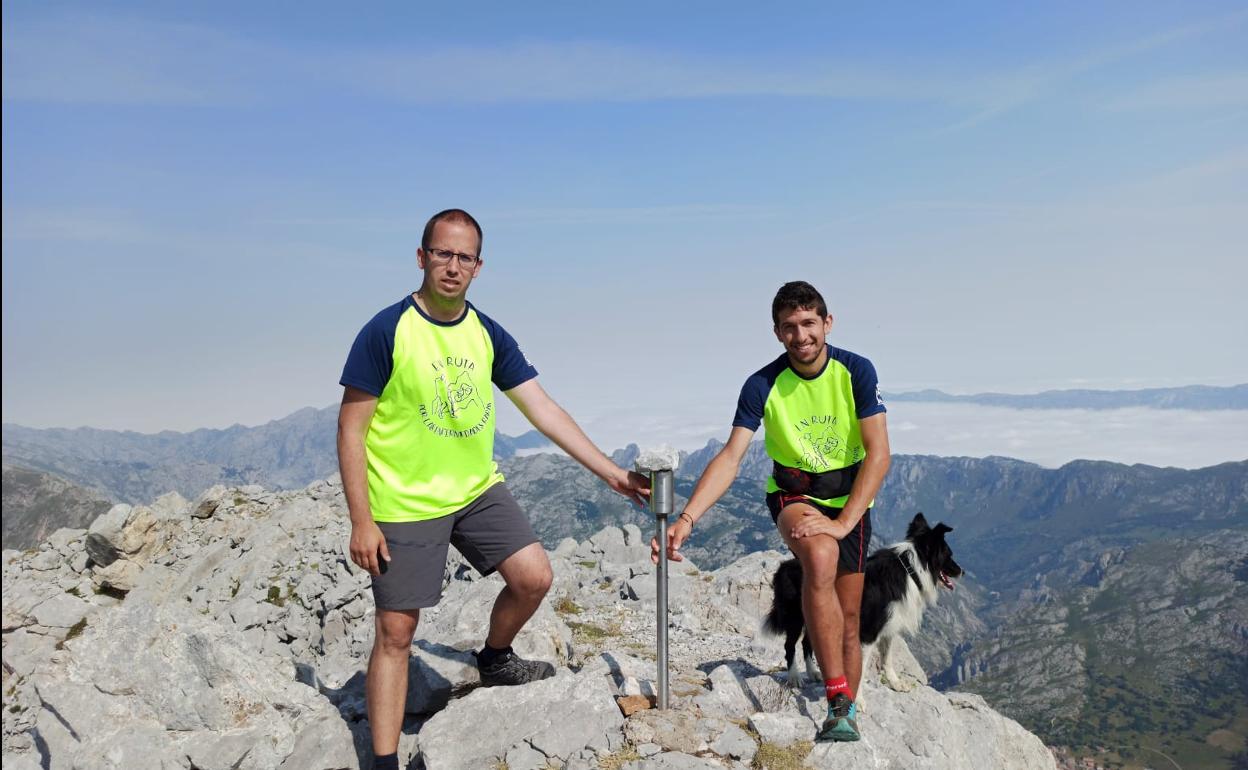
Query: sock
[(488, 654), (386, 762), (833, 686)]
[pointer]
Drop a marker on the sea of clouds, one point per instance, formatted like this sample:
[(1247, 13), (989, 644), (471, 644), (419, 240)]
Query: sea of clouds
[(1049, 437)]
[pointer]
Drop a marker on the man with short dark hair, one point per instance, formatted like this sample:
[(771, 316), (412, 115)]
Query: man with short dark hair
[(415, 447), (826, 435)]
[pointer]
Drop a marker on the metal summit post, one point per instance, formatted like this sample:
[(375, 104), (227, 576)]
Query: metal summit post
[(659, 465)]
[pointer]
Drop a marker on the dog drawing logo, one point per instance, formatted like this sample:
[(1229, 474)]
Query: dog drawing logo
[(819, 446), (453, 397)]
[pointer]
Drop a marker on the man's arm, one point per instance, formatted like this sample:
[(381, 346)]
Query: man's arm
[(711, 486), (558, 426), (367, 541), (866, 485)]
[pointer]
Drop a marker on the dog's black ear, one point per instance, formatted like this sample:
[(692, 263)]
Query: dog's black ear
[(942, 528), (918, 525)]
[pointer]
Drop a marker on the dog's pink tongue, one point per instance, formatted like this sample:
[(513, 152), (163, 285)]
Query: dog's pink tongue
[(946, 581)]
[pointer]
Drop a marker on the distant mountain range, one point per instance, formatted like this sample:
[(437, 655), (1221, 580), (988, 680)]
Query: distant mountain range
[(138, 467), (37, 504), (1102, 600), (1101, 597), (1201, 397)]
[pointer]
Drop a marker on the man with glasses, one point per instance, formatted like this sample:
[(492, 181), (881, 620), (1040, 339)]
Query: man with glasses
[(415, 448), (825, 432)]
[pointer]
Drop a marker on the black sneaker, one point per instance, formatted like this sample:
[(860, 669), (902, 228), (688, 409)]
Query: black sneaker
[(510, 669)]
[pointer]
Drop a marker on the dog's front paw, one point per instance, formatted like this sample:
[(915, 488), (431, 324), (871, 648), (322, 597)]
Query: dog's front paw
[(898, 683), (794, 680), (812, 671)]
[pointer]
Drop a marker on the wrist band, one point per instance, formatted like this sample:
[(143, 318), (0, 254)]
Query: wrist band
[(685, 515)]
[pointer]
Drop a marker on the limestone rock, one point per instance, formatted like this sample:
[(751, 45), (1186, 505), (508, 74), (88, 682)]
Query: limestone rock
[(557, 717), (208, 502), (61, 611), (728, 696), (244, 635), (631, 704), (783, 729), (461, 619), (675, 761), (120, 574)]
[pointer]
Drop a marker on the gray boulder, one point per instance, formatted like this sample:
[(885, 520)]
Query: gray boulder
[(556, 717)]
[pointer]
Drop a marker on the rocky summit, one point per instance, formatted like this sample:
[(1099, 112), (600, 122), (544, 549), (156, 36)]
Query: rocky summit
[(233, 632)]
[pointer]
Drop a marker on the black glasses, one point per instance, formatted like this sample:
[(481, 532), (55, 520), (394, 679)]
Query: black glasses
[(444, 257)]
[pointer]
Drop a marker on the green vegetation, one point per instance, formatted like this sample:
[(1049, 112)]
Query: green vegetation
[(618, 759), (565, 606), (588, 632), (773, 757), (74, 632)]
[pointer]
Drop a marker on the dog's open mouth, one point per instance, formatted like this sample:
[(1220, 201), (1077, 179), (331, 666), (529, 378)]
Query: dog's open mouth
[(945, 581)]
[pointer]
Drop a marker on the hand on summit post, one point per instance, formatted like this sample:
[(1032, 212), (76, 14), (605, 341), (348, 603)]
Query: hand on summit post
[(368, 547), (677, 534), (632, 485)]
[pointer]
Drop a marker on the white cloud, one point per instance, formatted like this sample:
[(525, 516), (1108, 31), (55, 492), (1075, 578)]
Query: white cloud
[(96, 59), (1049, 437), (1053, 437), (75, 225), (1017, 87), (1218, 89), (77, 59)]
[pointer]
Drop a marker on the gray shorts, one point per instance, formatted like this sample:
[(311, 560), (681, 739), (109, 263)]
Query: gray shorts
[(486, 531)]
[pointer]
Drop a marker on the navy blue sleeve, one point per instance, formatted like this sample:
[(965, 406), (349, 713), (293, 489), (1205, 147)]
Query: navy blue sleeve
[(371, 358), (753, 398), (511, 368), (867, 400), (751, 402)]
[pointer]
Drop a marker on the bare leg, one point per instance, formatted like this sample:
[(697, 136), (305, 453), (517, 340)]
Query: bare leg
[(821, 607), (385, 688), (849, 591), (528, 577)]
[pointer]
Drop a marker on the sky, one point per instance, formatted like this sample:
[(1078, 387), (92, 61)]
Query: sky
[(203, 203)]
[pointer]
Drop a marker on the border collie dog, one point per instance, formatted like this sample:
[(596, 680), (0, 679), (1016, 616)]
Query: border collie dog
[(900, 582)]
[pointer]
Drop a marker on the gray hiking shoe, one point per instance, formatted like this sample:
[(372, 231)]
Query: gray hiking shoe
[(510, 669)]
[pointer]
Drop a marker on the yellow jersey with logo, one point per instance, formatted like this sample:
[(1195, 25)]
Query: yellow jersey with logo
[(430, 444), (812, 423)]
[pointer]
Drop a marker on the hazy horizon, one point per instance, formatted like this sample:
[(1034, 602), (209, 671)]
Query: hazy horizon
[(1179, 438), (202, 205)]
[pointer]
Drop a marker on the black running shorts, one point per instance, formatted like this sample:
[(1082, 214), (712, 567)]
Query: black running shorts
[(853, 557), (486, 532)]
